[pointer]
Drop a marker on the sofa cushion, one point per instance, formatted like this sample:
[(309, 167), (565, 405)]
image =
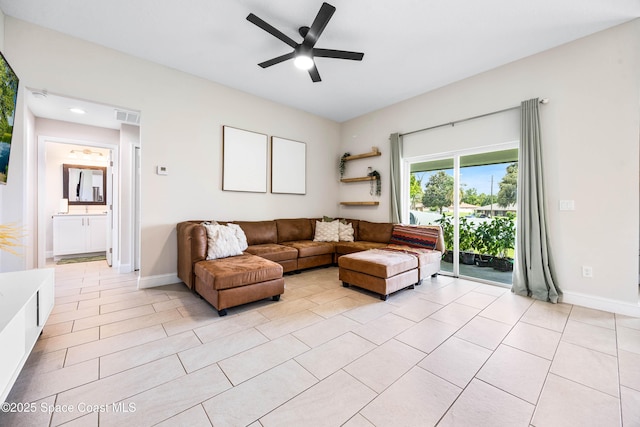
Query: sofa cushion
[(308, 248), (345, 232), (425, 256), (221, 241), (237, 271), (242, 238), (259, 232), (294, 229), (327, 231), (414, 236), (273, 251), (343, 248), (379, 232)]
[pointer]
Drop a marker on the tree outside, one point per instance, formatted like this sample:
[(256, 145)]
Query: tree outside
[(438, 191), (509, 186)]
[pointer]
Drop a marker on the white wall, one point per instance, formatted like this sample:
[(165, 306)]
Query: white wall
[(590, 133), (181, 128)]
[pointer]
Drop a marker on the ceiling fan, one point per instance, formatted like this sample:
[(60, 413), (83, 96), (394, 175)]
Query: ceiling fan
[(303, 53)]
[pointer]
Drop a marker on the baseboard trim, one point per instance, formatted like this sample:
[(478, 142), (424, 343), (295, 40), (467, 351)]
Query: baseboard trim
[(158, 280), (600, 303)]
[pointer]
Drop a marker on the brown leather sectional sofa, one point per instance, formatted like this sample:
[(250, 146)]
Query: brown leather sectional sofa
[(285, 244)]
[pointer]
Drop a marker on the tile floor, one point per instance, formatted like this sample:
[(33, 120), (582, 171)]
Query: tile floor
[(450, 352)]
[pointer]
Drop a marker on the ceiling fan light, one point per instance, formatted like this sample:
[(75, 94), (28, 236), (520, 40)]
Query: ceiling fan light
[(303, 62)]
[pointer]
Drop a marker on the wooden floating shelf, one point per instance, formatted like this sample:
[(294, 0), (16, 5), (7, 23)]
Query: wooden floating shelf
[(360, 203), (363, 156), (362, 178)]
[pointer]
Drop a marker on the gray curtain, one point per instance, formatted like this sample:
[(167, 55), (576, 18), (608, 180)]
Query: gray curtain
[(396, 178), (532, 275)]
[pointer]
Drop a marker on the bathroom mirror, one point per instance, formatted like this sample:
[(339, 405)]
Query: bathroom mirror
[(84, 185)]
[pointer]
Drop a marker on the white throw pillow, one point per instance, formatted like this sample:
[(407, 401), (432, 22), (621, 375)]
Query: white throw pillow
[(327, 231), (242, 238), (221, 241), (345, 232)]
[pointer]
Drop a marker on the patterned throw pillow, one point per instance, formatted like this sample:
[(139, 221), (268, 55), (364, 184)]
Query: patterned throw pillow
[(242, 238), (327, 231), (221, 241), (416, 237), (345, 232)]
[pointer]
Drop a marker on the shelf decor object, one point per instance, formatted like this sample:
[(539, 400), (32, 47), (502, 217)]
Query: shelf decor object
[(373, 176), (244, 160), (288, 166)]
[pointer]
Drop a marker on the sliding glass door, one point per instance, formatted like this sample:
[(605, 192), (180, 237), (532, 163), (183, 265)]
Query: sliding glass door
[(472, 195)]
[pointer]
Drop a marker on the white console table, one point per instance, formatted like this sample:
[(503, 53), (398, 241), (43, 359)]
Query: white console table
[(26, 300)]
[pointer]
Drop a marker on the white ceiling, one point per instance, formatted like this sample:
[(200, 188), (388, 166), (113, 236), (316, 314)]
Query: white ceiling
[(410, 46)]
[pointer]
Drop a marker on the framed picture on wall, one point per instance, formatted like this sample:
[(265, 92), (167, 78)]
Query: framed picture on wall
[(9, 85), (288, 166), (244, 160)]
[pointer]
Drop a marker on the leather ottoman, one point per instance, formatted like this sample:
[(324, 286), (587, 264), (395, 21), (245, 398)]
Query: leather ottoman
[(236, 280), (379, 270)]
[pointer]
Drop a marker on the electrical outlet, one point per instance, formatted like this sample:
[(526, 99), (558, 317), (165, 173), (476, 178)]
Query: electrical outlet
[(587, 271)]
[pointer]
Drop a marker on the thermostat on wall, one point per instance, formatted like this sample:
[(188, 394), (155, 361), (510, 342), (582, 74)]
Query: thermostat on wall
[(162, 170)]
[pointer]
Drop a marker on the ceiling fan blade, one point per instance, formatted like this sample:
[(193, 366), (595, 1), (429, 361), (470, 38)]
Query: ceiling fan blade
[(277, 60), (315, 75), (271, 30), (340, 54), (321, 21)]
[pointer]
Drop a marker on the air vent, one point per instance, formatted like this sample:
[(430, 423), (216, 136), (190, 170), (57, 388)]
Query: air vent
[(128, 117)]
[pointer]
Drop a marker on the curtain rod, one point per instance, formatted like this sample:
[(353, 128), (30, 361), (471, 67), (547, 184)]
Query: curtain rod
[(542, 101)]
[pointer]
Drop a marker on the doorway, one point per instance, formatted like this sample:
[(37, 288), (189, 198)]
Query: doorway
[(472, 195)]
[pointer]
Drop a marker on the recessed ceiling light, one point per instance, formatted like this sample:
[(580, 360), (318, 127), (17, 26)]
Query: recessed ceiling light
[(77, 110)]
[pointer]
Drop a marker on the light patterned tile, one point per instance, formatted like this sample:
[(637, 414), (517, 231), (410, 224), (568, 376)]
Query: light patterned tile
[(62, 308), (455, 314), (476, 299), (336, 307), (325, 330), (629, 365), (252, 362), (192, 417), (38, 362), (367, 313), (630, 406), (39, 417), (456, 360), (229, 325), (628, 321), (419, 398), (534, 339), (383, 328), (105, 346), (131, 303), (484, 405), (358, 421), (427, 335), (118, 387), (589, 367), (317, 405), (548, 315), (140, 322), (484, 332), (258, 396), (603, 319), (104, 319), (56, 329), (286, 308), (73, 315), (327, 358), (139, 355), (220, 349), (566, 403), (508, 308), (284, 325), (516, 372), (49, 383), (67, 340), (167, 400), (382, 366), (629, 339), (589, 336), (417, 309)]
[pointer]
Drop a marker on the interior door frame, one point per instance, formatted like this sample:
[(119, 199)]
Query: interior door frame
[(41, 221)]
